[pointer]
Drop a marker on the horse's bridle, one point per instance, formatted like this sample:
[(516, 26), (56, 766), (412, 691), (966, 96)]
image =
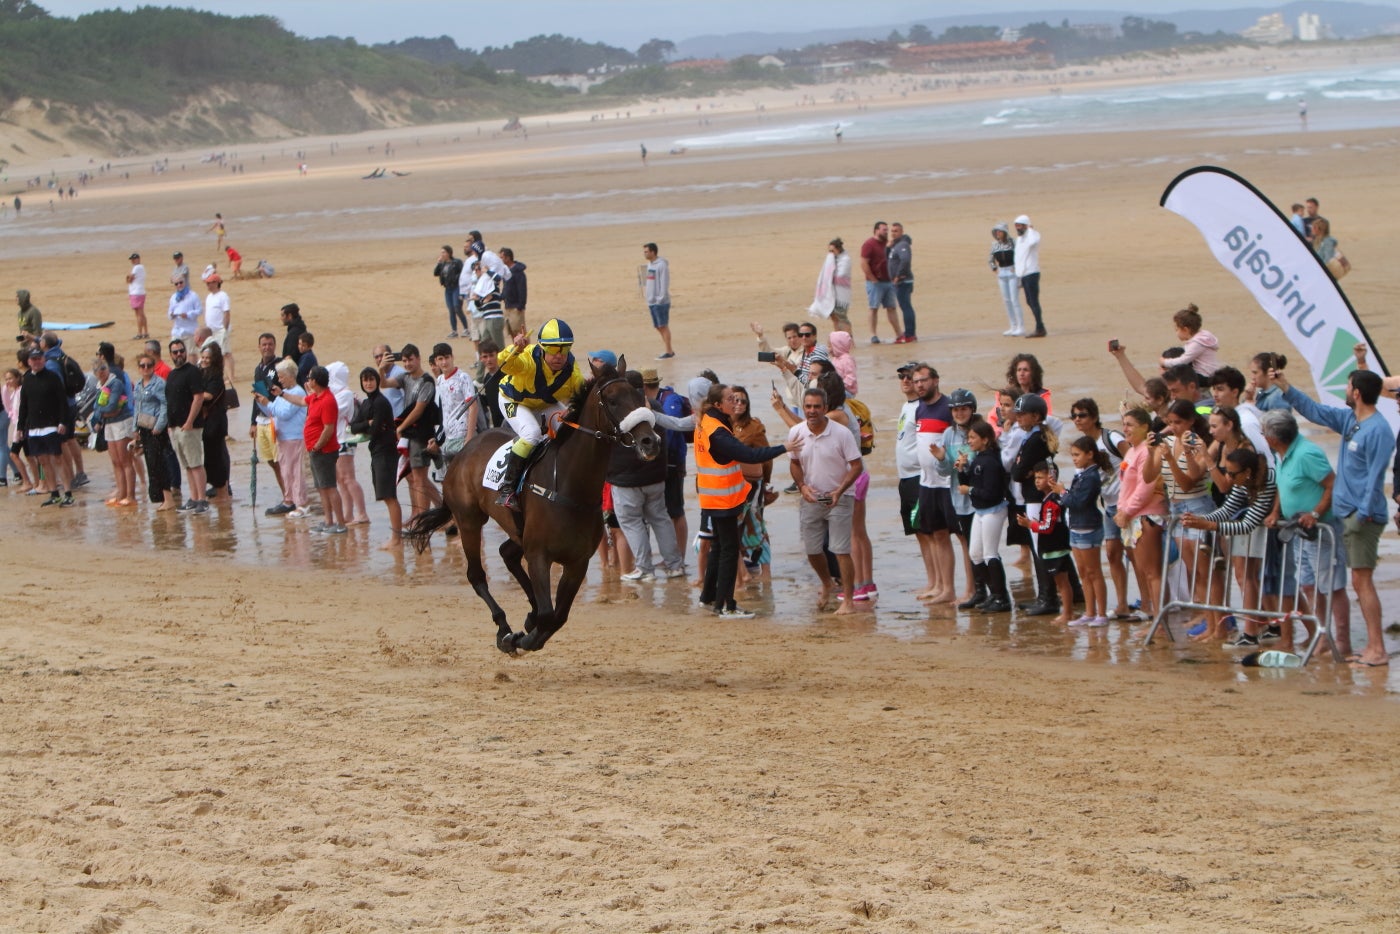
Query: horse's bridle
[(617, 434)]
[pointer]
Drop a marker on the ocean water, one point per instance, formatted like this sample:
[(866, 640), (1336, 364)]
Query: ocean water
[(1350, 97)]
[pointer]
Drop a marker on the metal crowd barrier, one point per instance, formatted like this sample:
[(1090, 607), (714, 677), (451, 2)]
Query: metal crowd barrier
[(1284, 557)]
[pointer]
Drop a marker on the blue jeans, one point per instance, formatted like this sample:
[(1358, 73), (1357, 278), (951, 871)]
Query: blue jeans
[(453, 298), (902, 293)]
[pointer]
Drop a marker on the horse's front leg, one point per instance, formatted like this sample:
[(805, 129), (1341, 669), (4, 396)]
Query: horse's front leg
[(570, 580)]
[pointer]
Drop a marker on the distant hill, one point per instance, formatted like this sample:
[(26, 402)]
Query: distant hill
[(1348, 20), (122, 82)]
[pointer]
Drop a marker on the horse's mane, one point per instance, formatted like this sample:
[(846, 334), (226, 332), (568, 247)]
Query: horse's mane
[(576, 405)]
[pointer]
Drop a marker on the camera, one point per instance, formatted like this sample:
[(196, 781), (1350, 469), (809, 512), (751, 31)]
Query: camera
[(767, 356), (1113, 345), (1153, 439)]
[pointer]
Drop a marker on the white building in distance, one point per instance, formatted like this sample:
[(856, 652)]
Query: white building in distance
[(1271, 29)]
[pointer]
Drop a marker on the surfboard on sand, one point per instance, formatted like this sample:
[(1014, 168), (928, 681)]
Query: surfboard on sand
[(76, 326)]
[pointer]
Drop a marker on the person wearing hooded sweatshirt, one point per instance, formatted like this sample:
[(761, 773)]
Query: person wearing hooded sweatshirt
[(1002, 260), (31, 320), (839, 353), (352, 495), (514, 291), (374, 417), (901, 265)]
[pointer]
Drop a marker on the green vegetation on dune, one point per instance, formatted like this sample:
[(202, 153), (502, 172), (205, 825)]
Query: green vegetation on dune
[(155, 62)]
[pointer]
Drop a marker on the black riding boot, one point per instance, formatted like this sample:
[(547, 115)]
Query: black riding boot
[(979, 583), (998, 600), (515, 466)]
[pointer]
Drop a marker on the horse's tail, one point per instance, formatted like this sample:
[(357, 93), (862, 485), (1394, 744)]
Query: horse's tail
[(423, 525)]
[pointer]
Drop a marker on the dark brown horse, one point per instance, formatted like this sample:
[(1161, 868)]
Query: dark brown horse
[(561, 517)]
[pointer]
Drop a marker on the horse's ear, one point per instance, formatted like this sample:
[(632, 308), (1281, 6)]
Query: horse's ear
[(593, 367), (622, 364)]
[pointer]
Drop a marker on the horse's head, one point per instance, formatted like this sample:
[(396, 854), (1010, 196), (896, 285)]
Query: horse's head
[(625, 410)]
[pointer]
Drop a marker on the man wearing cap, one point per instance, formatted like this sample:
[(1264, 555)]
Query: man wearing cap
[(538, 380), (41, 420), (179, 271), (657, 290), (218, 318), (1027, 265), (136, 295), (456, 398), (183, 312), (31, 320)]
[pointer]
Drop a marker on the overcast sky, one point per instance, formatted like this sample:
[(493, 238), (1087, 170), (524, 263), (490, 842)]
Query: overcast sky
[(626, 23)]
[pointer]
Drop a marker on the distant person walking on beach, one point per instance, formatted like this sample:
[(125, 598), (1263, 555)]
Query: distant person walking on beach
[(901, 267), (644, 153), (235, 260), (879, 290), (136, 296), (1028, 269), (31, 320), (1303, 112), (217, 228), (1002, 260), (657, 289)]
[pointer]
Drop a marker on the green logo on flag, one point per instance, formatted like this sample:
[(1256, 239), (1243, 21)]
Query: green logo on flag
[(1340, 362)]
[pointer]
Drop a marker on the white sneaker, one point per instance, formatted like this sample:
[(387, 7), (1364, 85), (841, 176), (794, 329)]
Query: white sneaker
[(1009, 332), (1019, 332), (298, 513), (673, 573), (1099, 622), (736, 613), (638, 574), (1082, 621)]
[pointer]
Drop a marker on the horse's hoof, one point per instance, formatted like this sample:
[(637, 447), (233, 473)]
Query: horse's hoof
[(506, 642)]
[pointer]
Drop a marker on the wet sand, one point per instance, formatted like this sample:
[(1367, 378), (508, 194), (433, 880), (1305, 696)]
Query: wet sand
[(225, 723)]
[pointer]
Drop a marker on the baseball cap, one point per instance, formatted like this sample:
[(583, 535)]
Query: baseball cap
[(650, 377), (1030, 404), (908, 367), (134, 256), (1023, 219), (604, 356), (35, 351), (177, 255)]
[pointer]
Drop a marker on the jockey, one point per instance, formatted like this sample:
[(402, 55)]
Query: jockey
[(538, 381)]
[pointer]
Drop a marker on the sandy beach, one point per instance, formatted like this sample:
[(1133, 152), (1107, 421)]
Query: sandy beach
[(233, 727)]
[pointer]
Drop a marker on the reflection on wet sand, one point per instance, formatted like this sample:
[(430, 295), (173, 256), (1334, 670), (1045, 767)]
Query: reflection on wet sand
[(237, 531)]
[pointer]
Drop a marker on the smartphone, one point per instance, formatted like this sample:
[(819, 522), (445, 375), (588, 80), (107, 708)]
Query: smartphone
[(1113, 345), (1153, 439), (1192, 439), (391, 357), (773, 385), (260, 388), (824, 500), (767, 356)]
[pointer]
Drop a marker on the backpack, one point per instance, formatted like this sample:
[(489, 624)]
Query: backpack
[(867, 426), (73, 377)]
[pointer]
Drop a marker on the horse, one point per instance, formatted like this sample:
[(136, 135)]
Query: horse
[(560, 519)]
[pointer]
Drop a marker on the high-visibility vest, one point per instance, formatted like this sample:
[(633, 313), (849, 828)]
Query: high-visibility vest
[(721, 486)]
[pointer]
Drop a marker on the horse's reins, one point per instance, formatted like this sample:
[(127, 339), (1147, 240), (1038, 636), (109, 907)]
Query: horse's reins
[(619, 435)]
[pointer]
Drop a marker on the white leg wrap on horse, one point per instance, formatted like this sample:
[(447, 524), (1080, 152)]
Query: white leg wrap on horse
[(636, 417)]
